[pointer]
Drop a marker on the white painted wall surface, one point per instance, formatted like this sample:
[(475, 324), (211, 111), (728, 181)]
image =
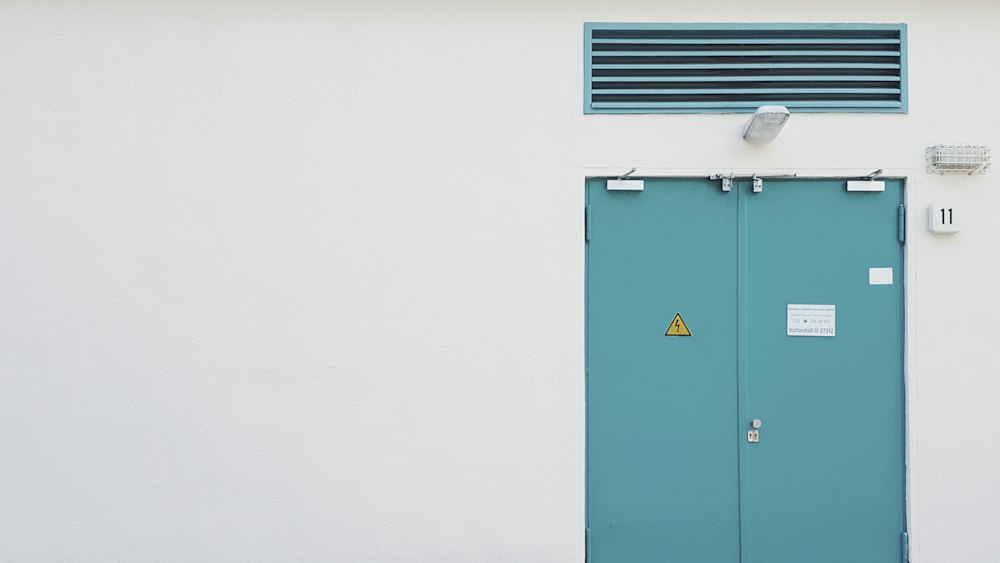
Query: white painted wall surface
[(304, 281)]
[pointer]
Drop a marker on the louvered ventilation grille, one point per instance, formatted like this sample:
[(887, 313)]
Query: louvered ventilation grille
[(648, 68)]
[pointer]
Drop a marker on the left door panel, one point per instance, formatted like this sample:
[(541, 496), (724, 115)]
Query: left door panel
[(662, 428)]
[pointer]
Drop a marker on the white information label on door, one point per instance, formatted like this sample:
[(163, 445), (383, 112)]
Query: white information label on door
[(880, 276), (812, 320)]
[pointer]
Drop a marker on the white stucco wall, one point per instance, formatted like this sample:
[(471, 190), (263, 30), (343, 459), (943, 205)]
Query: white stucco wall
[(304, 280)]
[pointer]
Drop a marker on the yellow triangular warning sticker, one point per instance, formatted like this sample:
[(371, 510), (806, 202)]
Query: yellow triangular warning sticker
[(677, 327)]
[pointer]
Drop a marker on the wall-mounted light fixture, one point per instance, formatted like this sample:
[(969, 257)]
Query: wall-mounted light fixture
[(765, 124), (963, 159)]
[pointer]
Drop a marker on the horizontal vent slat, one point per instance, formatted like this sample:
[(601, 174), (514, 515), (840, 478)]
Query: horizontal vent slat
[(789, 31), (649, 87), (752, 105), (749, 41), (777, 78), (707, 91), (681, 67), (765, 65), (693, 54)]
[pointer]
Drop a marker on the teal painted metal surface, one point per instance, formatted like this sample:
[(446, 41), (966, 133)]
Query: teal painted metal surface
[(761, 91), (737, 53), (727, 106), (738, 78), (670, 474), (825, 484), (831, 28), (748, 41), (767, 66), (712, 53), (903, 67), (661, 412)]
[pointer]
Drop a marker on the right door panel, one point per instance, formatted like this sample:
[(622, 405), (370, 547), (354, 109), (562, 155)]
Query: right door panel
[(825, 482)]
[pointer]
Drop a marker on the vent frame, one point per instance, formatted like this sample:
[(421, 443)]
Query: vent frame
[(704, 34)]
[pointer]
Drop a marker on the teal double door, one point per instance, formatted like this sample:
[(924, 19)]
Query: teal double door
[(676, 470)]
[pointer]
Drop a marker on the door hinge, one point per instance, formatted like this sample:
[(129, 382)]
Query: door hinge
[(906, 547), (586, 545), (901, 223), (586, 224)]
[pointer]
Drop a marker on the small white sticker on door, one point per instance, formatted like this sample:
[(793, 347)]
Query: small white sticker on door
[(879, 276), (812, 320)]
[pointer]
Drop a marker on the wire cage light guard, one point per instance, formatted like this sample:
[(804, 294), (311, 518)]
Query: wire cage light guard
[(959, 159)]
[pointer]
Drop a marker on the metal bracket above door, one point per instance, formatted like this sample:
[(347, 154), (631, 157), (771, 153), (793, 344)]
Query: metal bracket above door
[(758, 180)]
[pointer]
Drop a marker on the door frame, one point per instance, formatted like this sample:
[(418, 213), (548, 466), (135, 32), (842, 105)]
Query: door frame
[(903, 175)]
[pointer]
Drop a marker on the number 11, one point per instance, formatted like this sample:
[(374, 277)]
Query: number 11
[(950, 218)]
